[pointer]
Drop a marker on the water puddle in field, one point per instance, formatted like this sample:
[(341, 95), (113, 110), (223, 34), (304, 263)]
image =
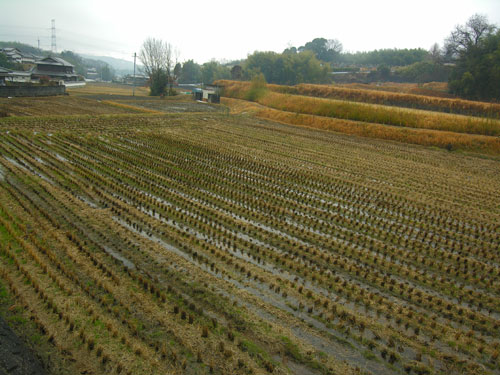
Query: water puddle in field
[(241, 236), (171, 222), (246, 257), (19, 164), (40, 160), (153, 238), (282, 192), (127, 263), (205, 267), (60, 157), (333, 344), (22, 164), (87, 201)]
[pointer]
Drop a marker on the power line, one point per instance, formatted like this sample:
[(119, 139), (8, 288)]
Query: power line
[(67, 38)]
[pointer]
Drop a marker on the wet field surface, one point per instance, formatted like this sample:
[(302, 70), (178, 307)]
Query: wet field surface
[(15, 357)]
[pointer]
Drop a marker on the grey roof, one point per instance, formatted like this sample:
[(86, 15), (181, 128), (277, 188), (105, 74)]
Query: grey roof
[(12, 50), (52, 60), (35, 70), (13, 73), (20, 73)]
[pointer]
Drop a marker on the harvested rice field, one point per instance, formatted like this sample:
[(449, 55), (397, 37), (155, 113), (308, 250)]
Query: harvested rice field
[(213, 243)]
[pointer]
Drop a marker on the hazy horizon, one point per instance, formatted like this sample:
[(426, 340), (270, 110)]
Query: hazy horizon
[(228, 30)]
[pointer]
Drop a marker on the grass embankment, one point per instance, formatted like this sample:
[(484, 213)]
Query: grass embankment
[(434, 89), (414, 99), (448, 105), (376, 121), (448, 140)]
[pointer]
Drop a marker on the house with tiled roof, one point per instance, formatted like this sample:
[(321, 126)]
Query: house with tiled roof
[(8, 75), (54, 68), (16, 56)]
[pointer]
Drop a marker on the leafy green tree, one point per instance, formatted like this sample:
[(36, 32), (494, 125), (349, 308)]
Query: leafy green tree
[(191, 72), (475, 49), (324, 49), (286, 68), (424, 71), (212, 71), (383, 71), (290, 50), (389, 57), (177, 70), (236, 72), (158, 84)]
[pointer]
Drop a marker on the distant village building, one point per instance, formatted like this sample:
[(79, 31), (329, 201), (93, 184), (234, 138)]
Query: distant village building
[(16, 56), (92, 74), (55, 68), (8, 75), (139, 80)]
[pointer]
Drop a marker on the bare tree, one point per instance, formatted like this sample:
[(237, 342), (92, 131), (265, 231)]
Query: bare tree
[(334, 45), (468, 35), (156, 56), (435, 53)]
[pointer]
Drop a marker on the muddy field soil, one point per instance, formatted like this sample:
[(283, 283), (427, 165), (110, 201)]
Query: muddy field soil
[(15, 357)]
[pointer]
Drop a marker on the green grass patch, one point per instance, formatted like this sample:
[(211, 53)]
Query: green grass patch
[(292, 350), (369, 355)]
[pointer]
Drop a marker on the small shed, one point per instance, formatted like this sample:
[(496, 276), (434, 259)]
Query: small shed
[(210, 94), (198, 94)]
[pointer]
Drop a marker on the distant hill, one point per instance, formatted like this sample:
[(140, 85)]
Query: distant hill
[(121, 66)]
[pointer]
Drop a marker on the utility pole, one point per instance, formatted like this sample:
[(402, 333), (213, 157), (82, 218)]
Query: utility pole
[(53, 38), (133, 90), (38, 43)]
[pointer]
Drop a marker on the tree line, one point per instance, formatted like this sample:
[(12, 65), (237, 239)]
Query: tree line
[(469, 61)]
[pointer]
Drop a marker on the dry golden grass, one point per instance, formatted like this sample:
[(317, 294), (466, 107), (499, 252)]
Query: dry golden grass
[(371, 113), (420, 100), (382, 114), (100, 88), (418, 97), (437, 89), (426, 137)]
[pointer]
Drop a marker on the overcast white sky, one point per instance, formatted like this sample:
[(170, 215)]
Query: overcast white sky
[(230, 29)]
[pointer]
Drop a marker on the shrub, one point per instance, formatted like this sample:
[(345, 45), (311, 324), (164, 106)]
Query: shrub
[(257, 89)]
